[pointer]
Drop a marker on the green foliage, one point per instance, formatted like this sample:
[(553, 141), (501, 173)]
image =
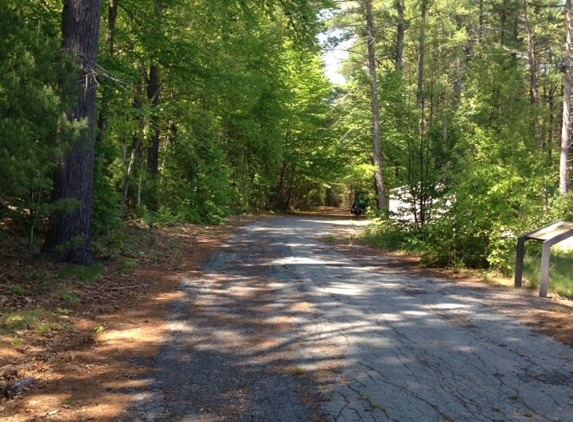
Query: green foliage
[(246, 120), (463, 136), (43, 328), (388, 235), (98, 330), (310, 166), (196, 182), (560, 207), (31, 74), (106, 219), (16, 342), (487, 198), (222, 116)]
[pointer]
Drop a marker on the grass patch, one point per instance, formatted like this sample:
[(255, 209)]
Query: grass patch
[(18, 291), (18, 320), (328, 239), (16, 342), (298, 371), (370, 402), (44, 328), (40, 320), (387, 236), (81, 274), (560, 271), (126, 265), (70, 298)]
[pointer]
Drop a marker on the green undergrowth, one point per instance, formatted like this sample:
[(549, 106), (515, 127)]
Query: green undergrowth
[(560, 271), (41, 320), (36, 294), (390, 238), (28, 289)]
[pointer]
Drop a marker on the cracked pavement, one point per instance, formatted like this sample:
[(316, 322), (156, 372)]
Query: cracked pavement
[(284, 328)]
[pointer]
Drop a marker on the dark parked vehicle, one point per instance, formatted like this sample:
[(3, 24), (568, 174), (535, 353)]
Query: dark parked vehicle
[(360, 204)]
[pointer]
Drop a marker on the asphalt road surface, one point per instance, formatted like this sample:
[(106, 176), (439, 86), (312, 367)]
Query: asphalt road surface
[(282, 328)]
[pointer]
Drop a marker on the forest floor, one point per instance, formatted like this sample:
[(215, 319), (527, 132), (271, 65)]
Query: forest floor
[(81, 339)]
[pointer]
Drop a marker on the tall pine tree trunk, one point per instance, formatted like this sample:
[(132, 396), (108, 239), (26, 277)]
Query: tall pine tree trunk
[(380, 189), (421, 56), (420, 184), (400, 29), (153, 96), (69, 236), (530, 57), (566, 125), (107, 91), (533, 100)]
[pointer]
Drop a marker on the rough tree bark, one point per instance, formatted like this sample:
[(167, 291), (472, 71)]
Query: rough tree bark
[(566, 125), (400, 29), (530, 57), (153, 81), (153, 95), (419, 211), (69, 236), (380, 188)]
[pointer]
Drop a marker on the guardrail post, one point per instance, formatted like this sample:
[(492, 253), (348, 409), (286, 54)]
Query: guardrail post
[(545, 254), (519, 260)]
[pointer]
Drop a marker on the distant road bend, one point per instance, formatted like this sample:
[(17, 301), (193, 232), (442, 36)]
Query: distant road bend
[(282, 328)]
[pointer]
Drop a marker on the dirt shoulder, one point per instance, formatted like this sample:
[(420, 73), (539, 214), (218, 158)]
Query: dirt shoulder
[(83, 347), (79, 347)]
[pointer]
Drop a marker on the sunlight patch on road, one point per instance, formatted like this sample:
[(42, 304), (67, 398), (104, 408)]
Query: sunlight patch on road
[(301, 306), (347, 290), (307, 261), (388, 317), (450, 306), (415, 313)]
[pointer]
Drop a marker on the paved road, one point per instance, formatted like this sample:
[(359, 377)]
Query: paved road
[(283, 328)]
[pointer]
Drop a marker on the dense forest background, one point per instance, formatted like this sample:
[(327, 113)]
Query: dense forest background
[(205, 109)]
